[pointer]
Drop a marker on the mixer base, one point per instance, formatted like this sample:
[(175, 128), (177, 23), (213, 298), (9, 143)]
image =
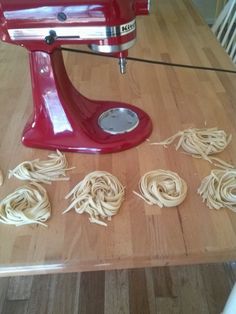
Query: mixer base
[(66, 120)]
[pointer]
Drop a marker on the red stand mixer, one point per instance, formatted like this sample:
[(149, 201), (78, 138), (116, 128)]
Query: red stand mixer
[(62, 117)]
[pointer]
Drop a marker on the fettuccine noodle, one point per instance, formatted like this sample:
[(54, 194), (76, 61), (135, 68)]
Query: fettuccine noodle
[(201, 143), (43, 171), (1, 177), (99, 194), (162, 188), (218, 189), (28, 204)]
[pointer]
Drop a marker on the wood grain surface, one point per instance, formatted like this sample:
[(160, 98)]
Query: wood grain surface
[(159, 290), (175, 98)]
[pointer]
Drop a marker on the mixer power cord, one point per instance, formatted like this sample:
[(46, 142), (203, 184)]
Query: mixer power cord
[(154, 62)]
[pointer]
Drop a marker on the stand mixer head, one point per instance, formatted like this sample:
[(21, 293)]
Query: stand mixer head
[(106, 26)]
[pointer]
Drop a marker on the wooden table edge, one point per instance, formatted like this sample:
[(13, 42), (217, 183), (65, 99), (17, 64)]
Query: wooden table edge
[(73, 267)]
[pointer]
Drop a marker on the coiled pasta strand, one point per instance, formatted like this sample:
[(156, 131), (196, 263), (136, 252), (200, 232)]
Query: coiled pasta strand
[(218, 189), (162, 188), (43, 171), (201, 143), (99, 194), (28, 204)]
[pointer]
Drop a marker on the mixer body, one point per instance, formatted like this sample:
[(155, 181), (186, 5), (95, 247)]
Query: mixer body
[(63, 118)]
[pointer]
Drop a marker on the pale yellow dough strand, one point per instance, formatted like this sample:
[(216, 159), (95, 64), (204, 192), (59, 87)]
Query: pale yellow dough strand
[(99, 194), (28, 204), (1, 177), (201, 143), (218, 189), (43, 171), (162, 188)]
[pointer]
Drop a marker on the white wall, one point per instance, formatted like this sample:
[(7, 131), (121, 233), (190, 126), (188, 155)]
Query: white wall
[(206, 9)]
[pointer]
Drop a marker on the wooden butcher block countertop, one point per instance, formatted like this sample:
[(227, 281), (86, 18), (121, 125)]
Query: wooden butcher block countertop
[(175, 98)]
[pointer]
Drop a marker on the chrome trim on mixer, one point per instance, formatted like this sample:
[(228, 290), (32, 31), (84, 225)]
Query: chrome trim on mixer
[(118, 121), (149, 6), (112, 48), (79, 32)]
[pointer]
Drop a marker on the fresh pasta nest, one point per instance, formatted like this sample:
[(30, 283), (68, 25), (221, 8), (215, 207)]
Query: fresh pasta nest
[(201, 143), (218, 189), (42, 171), (26, 205), (162, 188), (99, 194)]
